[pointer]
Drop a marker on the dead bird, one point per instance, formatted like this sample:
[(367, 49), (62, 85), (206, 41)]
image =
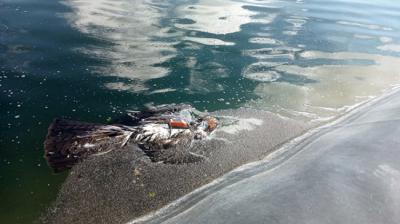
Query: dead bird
[(164, 133)]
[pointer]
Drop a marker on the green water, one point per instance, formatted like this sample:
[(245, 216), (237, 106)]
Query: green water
[(91, 60)]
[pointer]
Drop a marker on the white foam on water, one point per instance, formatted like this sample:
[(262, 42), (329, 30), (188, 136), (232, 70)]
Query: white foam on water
[(241, 124)]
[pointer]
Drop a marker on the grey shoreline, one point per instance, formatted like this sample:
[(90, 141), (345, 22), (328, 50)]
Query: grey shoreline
[(346, 171), (124, 184)]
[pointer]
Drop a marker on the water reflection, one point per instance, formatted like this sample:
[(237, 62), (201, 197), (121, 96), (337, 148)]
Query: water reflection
[(336, 89), (209, 41), (135, 41), (390, 47), (317, 72), (306, 59), (301, 58), (216, 17)]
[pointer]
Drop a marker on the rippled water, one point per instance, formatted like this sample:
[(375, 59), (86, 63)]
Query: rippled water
[(90, 60)]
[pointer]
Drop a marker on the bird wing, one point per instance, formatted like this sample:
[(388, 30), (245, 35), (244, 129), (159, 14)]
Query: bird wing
[(68, 142)]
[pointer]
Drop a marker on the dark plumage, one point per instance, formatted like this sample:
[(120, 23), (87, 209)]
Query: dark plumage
[(69, 141), (164, 133)]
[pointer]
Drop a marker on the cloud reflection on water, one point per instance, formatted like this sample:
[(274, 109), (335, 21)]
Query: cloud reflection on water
[(328, 83), (291, 47), (136, 41), (215, 16), (133, 35), (337, 87)]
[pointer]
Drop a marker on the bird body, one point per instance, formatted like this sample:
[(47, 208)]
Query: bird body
[(161, 132)]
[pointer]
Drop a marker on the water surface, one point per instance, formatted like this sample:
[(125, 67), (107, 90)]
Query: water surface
[(91, 60)]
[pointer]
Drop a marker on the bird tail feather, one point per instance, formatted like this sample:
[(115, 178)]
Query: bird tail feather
[(68, 142)]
